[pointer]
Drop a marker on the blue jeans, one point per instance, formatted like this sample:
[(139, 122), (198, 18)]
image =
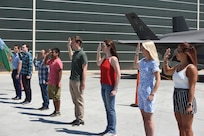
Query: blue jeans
[(109, 103), (44, 92)]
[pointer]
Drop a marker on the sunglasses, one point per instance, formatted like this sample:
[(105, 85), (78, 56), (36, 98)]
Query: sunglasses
[(179, 51)]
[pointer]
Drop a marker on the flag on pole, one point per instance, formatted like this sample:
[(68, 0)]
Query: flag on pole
[(4, 55)]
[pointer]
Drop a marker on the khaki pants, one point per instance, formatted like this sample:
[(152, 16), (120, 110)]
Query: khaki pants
[(77, 98), (54, 92)]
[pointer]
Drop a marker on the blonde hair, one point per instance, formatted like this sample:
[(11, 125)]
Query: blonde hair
[(151, 48)]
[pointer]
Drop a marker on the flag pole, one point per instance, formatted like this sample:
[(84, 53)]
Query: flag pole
[(34, 30)]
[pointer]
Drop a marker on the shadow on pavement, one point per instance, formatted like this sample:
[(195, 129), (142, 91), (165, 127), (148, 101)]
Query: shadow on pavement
[(76, 132), (3, 94), (26, 108), (4, 98), (65, 130), (51, 121), (34, 114), (9, 102)]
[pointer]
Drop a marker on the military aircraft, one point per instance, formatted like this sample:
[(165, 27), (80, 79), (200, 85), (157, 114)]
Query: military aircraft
[(181, 33)]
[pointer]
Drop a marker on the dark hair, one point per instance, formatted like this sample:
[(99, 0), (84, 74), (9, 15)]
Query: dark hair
[(77, 39), (57, 50), (111, 44), (26, 45), (190, 51), (16, 46)]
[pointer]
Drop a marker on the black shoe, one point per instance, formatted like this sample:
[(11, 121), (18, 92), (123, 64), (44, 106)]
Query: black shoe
[(43, 108), (16, 98), (103, 133), (25, 102), (77, 122)]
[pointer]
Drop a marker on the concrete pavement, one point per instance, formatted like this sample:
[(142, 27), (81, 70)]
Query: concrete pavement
[(22, 120)]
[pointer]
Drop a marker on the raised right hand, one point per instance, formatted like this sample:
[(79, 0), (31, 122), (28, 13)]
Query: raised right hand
[(69, 41), (99, 47), (166, 54), (138, 49)]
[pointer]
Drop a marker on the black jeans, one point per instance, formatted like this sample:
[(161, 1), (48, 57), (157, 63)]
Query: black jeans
[(27, 88), (16, 83)]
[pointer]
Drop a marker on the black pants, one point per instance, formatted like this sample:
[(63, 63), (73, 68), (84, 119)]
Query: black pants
[(27, 88), (16, 83)]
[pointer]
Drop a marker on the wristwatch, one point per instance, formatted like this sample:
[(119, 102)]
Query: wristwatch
[(189, 104)]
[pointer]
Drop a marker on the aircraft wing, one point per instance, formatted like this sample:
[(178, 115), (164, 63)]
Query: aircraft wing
[(192, 36), (162, 41)]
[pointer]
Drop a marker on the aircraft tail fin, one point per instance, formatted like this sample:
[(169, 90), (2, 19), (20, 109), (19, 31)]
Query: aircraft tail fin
[(142, 30), (179, 24)]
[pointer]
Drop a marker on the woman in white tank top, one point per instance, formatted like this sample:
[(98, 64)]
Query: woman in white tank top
[(185, 76)]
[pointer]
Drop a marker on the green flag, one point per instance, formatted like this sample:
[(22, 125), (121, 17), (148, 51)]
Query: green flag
[(4, 55)]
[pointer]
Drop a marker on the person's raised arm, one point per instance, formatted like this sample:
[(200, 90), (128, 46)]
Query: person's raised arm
[(70, 48), (166, 69), (136, 59), (46, 57), (35, 61), (99, 60)]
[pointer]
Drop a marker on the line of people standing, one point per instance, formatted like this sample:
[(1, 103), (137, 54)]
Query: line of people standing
[(184, 77), (22, 71)]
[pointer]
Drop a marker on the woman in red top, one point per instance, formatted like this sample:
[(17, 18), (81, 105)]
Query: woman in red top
[(110, 76)]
